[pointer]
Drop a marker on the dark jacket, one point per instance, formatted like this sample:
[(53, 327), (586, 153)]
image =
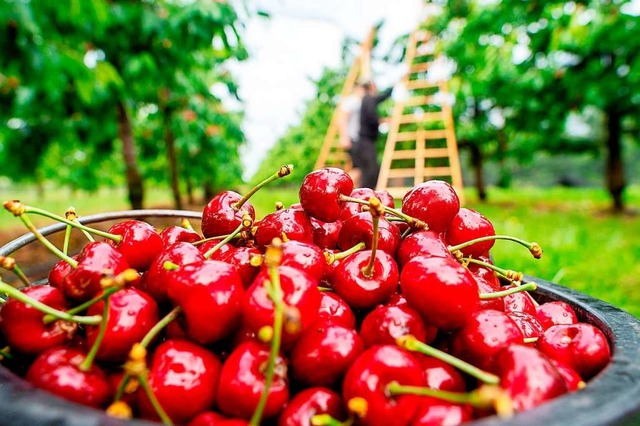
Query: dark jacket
[(369, 117)]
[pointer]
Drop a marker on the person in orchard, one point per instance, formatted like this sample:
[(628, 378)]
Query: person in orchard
[(349, 126)]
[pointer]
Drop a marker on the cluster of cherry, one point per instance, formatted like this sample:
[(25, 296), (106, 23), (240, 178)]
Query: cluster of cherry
[(339, 310)]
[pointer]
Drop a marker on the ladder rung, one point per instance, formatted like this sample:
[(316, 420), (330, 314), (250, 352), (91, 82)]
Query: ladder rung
[(423, 36), (420, 100), (405, 154), (421, 118), (420, 67), (402, 173), (421, 84), (436, 152), (427, 134), (437, 171)]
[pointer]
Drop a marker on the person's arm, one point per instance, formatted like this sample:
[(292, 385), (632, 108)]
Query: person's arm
[(384, 95)]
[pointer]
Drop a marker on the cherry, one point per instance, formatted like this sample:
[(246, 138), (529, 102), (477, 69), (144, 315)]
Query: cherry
[(519, 302), (386, 323), (436, 412), (527, 323), (422, 243), (305, 256), (156, 280), (223, 214), (434, 202), (320, 193), (61, 269), (57, 370), (210, 294), (440, 375), (528, 376), (178, 234), (309, 403), (23, 326), (365, 384), (360, 228), (385, 198), (489, 275), (483, 335), (351, 209), (324, 352), (334, 308), (300, 295), (581, 346), (94, 261), (242, 381), (571, 378), (486, 287), (132, 313), (242, 259), (325, 234), (210, 418), (555, 313), (441, 290), (287, 224), (140, 242), (183, 377), (468, 225)]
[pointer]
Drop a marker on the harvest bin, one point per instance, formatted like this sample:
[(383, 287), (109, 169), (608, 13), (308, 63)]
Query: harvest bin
[(610, 398)]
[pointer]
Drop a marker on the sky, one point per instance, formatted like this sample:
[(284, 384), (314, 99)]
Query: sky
[(292, 46)]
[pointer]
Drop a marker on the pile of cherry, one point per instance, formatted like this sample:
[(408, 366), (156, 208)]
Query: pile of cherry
[(339, 310)]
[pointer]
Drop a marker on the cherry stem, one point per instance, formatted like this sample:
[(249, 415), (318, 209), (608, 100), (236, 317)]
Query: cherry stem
[(282, 172), (245, 223), (113, 237), (67, 237), (412, 221), (155, 330), (186, 224), (88, 361), (9, 263), (327, 420), (5, 353), (48, 319), (377, 210), (27, 222), (412, 344), (530, 339), (217, 237), (332, 257), (530, 286), (27, 300), (512, 276), (166, 420), (533, 247), (272, 258)]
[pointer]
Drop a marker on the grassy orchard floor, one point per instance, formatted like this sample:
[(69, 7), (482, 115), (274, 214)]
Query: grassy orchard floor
[(585, 247)]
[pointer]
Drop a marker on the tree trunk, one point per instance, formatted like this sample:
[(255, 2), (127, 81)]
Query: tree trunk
[(190, 197), (615, 167), (132, 173), (477, 161), (207, 190), (505, 173), (172, 158)]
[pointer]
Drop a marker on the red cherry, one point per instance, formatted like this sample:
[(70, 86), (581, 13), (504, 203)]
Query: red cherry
[(210, 418), (157, 278), (132, 313), (60, 270), (310, 402), (242, 382), (361, 291), (351, 209), (385, 198), (441, 290), (555, 313), (468, 225), (359, 228), (368, 378), (571, 378), (434, 202), (305, 256), (300, 295), (210, 294), (241, 259), (527, 323), (483, 272), (140, 243), (436, 412), (289, 223), (320, 193), (23, 326), (484, 286), (519, 302), (528, 376), (94, 261), (422, 243), (484, 334), (183, 377), (324, 352), (386, 323), (334, 308), (440, 375), (325, 234), (581, 346), (178, 234), (221, 216), (57, 370)]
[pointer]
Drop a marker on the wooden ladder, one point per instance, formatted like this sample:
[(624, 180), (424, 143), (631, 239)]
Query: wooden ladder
[(331, 154), (421, 143)]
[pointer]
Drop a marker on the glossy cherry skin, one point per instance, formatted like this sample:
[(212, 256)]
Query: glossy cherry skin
[(441, 290), (60, 270), (221, 217), (528, 376), (156, 280), (485, 272), (320, 193), (211, 418), (210, 294), (527, 323), (323, 353), (386, 323), (360, 291), (385, 198), (440, 375), (286, 224), (132, 313), (242, 382), (94, 261), (422, 243), (555, 313), (334, 308), (300, 293), (468, 225), (240, 258), (368, 378), (56, 370), (178, 234), (183, 376), (519, 302), (484, 286), (484, 334), (23, 327), (359, 228), (571, 378), (325, 234), (310, 402), (140, 243), (437, 412), (435, 202), (305, 256), (350, 209), (581, 346)]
